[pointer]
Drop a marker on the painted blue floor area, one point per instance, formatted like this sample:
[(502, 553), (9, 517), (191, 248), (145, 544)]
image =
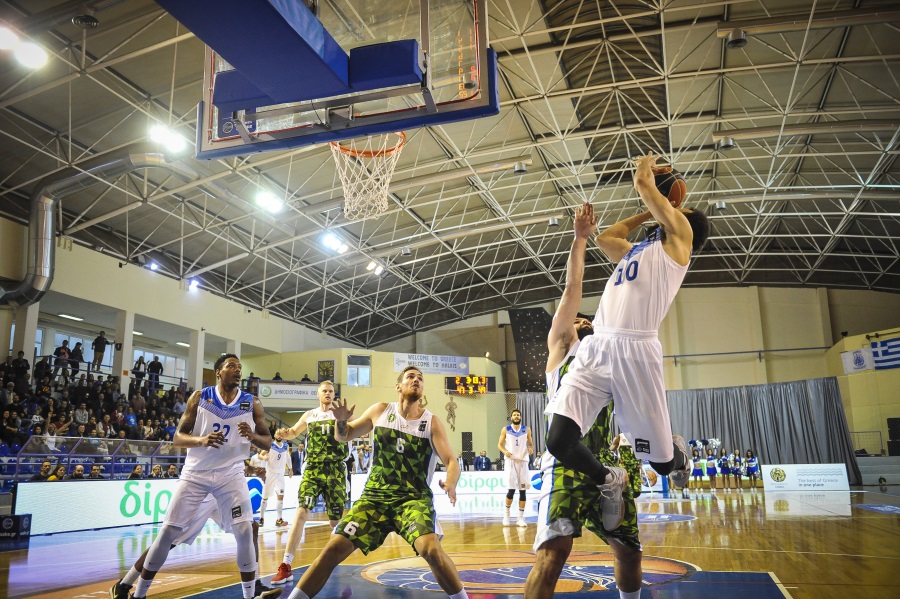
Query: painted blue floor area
[(346, 582)]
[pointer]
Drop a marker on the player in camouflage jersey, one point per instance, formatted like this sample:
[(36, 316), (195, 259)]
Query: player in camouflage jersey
[(570, 499), (397, 497), (325, 473)]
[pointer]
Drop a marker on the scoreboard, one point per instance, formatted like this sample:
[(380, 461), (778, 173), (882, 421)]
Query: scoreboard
[(471, 385)]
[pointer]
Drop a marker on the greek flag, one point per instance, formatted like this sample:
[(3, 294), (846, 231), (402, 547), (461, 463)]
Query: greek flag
[(886, 353)]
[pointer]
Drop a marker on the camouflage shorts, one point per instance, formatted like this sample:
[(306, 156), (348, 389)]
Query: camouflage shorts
[(370, 520), (328, 479), (570, 500)]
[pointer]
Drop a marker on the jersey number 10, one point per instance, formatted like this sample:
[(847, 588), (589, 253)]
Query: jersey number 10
[(630, 273)]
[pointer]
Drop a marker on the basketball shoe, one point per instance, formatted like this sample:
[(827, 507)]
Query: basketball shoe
[(284, 575), (280, 522), (521, 522), (681, 478), (506, 519), (264, 592), (119, 591), (262, 522), (612, 505)]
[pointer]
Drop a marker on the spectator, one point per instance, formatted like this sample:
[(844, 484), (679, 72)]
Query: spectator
[(44, 474), (82, 416), (58, 474), (306, 379), (107, 429), (252, 384), (95, 473), (78, 474), (19, 368), (62, 359), (53, 436), (482, 462), (171, 472), (131, 423), (95, 444), (99, 346), (42, 388), (79, 431), (156, 471), (6, 394), (171, 428), (139, 370), (9, 429), (297, 459), (154, 370), (277, 377), (136, 473), (179, 406), (42, 369), (76, 357)]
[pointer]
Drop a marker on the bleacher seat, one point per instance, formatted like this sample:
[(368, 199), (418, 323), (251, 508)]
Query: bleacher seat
[(15, 448), (4, 449)]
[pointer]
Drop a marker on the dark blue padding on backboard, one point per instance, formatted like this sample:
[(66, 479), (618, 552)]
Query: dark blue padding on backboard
[(232, 92), (279, 46), (416, 119), (385, 65)]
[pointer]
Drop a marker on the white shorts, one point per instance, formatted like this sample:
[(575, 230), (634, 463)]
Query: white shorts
[(516, 474), (228, 486), (208, 508), (274, 485), (624, 366)]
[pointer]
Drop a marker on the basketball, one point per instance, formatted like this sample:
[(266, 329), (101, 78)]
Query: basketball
[(648, 477), (671, 184)]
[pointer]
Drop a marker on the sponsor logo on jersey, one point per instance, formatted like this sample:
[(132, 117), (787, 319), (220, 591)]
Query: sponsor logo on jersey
[(422, 426), (245, 406), (236, 512), (641, 446), (392, 417)]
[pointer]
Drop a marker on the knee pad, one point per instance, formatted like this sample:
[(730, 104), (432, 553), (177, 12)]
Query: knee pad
[(522, 495), (510, 493), (246, 554), (159, 550)]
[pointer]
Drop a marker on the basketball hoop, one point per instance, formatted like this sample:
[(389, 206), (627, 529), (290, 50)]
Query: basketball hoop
[(365, 171)]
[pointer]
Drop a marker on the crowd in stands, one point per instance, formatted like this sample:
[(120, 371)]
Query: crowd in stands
[(57, 402)]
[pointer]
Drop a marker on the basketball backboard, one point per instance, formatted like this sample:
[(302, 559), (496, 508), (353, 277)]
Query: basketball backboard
[(454, 76)]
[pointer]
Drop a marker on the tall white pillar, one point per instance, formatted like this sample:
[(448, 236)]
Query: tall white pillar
[(26, 331), (7, 318), (195, 359), (233, 347), (124, 359)]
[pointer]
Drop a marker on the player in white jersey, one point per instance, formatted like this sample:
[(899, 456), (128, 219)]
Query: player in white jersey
[(218, 427), (397, 497), (516, 446), (276, 458), (622, 360)]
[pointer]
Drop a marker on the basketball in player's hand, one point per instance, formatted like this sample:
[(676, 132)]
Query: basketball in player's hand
[(671, 184)]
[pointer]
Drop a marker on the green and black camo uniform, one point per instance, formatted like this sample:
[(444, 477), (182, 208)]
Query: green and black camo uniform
[(397, 496), (570, 499), (325, 471)]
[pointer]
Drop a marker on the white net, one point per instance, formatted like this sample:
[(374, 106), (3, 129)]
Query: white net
[(365, 168)]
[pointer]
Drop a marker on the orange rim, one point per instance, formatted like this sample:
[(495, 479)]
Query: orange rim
[(371, 153)]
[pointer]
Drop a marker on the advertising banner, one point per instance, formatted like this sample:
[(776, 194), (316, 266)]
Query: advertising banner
[(805, 477), (111, 503), (428, 364), (470, 483), (290, 391)]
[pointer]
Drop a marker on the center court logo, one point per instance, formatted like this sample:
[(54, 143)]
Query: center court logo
[(506, 571)]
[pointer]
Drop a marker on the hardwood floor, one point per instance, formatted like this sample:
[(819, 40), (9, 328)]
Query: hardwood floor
[(817, 545)]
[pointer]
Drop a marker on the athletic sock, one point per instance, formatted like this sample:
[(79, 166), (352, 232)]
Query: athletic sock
[(298, 594), (633, 595), (262, 509), (288, 558), (142, 586), (247, 588), (279, 505), (131, 577), (460, 595), (521, 513)]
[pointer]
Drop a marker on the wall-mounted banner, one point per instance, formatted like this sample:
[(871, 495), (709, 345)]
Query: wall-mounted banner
[(428, 364), (805, 477), (289, 391), (858, 360)]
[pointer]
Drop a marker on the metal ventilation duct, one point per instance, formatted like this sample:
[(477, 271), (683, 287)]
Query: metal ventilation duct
[(42, 223)]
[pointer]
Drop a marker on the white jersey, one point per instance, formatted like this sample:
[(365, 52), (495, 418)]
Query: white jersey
[(214, 415), (517, 442), (554, 377), (641, 289), (278, 457)]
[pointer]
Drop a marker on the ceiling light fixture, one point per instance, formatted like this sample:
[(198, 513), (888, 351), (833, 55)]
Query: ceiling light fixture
[(8, 38), (154, 266), (379, 269), (371, 265), (182, 344), (269, 202), (70, 317), (166, 137), (194, 283), (138, 333)]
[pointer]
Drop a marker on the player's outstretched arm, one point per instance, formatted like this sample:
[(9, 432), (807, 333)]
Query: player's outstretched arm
[(345, 429), (678, 229), (294, 431), (562, 331), (445, 453), (184, 436)]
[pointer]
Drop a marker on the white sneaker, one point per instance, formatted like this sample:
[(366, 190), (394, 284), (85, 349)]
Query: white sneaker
[(612, 506), (506, 520), (521, 522), (682, 477)]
